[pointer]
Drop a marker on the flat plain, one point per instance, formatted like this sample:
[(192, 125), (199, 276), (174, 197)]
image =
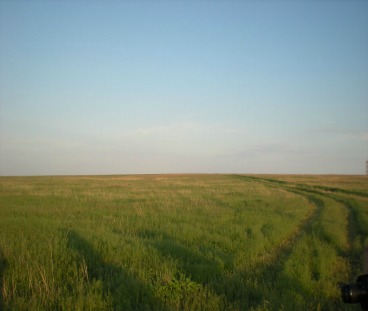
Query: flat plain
[(180, 242)]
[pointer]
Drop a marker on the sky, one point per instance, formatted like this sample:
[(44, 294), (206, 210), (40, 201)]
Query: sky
[(145, 87)]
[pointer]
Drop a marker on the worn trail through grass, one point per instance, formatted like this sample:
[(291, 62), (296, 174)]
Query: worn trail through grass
[(355, 231)]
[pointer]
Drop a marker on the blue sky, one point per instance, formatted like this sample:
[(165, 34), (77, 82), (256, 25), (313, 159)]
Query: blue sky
[(120, 87)]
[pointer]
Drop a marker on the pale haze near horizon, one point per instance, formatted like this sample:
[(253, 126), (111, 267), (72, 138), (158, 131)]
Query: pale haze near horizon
[(124, 87)]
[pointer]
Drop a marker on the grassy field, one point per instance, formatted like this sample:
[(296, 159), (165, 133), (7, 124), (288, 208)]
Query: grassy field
[(180, 242)]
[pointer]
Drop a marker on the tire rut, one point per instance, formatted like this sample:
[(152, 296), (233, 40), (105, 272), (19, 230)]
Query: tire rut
[(283, 251), (266, 268), (315, 195)]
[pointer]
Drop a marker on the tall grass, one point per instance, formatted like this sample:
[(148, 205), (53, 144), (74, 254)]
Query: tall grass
[(171, 242)]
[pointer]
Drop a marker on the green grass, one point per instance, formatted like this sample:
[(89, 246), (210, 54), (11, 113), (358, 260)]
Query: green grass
[(179, 242)]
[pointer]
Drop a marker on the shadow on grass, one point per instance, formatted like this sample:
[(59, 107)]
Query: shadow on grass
[(242, 289), (3, 265), (245, 288), (126, 292), (196, 263)]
